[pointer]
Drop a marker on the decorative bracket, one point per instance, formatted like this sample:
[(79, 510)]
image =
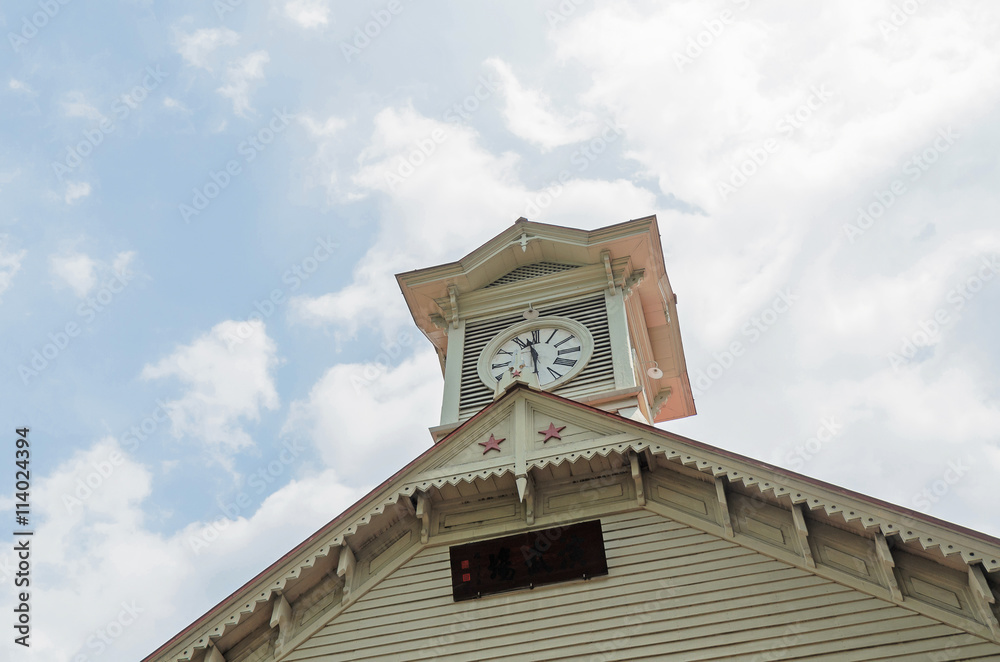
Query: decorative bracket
[(720, 493), (803, 530), (984, 598), (523, 241), (659, 400), (345, 568), (453, 297), (281, 618), (423, 513), (526, 490), (406, 505), (214, 655), (640, 493), (632, 281), (887, 563), (650, 460), (606, 256)]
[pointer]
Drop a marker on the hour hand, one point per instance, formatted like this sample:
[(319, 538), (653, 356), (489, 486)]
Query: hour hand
[(534, 358)]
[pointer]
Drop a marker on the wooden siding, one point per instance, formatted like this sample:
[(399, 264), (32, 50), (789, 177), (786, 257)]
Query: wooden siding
[(673, 593)]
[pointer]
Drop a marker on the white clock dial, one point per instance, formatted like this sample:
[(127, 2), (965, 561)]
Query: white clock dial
[(554, 349)]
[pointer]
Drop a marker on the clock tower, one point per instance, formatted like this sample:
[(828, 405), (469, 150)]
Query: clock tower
[(587, 315), (550, 520)]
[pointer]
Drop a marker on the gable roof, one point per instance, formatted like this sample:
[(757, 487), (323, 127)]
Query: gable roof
[(587, 434)]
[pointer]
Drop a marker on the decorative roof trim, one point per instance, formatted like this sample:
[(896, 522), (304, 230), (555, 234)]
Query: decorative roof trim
[(851, 506)]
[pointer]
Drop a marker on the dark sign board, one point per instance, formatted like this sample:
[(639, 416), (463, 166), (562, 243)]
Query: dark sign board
[(527, 560)]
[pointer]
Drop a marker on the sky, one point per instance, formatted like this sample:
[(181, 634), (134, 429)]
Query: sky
[(203, 204)]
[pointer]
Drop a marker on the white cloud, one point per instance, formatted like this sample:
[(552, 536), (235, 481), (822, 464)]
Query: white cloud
[(529, 114), (331, 126), (76, 191), (81, 272), (308, 13), (463, 191), (320, 169), (175, 104), (344, 415), (10, 263), (21, 86), (7, 176), (76, 105), (122, 263), (238, 77), (197, 47), (77, 270), (97, 545), (228, 376)]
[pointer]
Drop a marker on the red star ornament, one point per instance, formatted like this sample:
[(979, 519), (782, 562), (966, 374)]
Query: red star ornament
[(492, 445), (552, 432)]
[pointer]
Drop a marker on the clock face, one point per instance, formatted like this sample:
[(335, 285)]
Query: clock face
[(554, 349)]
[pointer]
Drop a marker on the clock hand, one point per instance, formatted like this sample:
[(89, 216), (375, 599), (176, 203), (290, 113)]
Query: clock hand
[(534, 356)]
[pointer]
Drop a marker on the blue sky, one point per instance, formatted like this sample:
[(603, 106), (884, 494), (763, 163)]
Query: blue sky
[(202, 206)]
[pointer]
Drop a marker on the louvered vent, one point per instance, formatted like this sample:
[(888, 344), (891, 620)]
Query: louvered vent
[(530, 271), (597, 376)]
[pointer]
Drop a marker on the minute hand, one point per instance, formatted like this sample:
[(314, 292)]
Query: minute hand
[(534, 357)]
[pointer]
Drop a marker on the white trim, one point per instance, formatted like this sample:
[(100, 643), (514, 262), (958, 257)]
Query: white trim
[(453, 374), (621, 350)]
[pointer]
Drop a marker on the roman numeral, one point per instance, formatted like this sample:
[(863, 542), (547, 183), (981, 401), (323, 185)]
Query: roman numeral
[(569, 350), (564, 340), (565, 362), (500, 365), (555, 375), (504, 351), (520, 343), (536, 336), (554, 332)]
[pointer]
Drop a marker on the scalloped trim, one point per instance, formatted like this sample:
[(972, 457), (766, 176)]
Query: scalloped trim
[(814, 501)]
